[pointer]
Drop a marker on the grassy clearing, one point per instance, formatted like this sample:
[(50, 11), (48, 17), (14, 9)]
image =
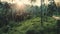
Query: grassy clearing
[(34, 24)]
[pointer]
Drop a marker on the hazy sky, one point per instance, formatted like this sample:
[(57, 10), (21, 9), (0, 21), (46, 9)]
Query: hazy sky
[(23, 1), (28, 2)]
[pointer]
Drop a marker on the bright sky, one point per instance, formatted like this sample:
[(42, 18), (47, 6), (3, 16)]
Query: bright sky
[(28, 2), (23, 1)]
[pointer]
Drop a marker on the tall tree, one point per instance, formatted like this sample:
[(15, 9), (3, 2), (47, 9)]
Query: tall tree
[(51, 7), (3, 13), (42, 3)]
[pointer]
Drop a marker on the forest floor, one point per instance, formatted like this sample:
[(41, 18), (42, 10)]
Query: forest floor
[(33, 24)]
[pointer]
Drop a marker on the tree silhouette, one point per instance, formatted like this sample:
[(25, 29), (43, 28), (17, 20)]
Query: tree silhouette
[(3, 13), (51, 7), (32, 1)]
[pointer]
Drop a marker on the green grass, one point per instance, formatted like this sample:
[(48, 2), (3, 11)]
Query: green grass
[(34, 24)]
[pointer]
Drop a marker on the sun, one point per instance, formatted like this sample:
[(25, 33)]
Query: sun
[(19, 4)]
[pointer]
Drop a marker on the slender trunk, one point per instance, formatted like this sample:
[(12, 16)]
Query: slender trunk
[(42, 32)]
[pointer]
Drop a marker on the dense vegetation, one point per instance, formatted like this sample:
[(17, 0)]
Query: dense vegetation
[(29, 22)]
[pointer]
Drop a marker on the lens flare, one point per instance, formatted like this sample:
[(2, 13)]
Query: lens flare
[(18, 5)]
